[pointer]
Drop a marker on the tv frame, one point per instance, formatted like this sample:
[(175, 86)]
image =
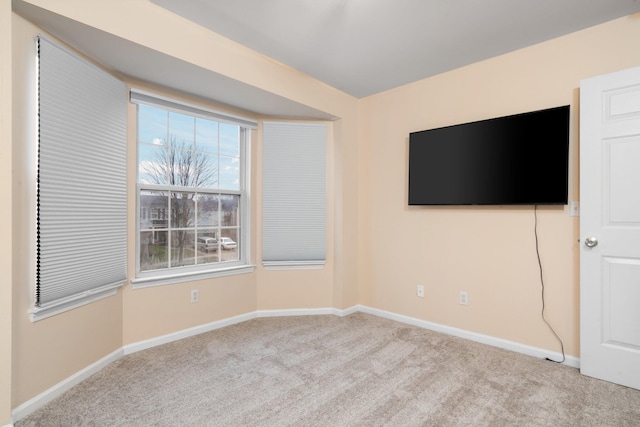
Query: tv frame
[(527, 166)]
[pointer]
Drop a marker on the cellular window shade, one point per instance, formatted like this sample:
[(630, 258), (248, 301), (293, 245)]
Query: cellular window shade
[(81, 180), (293, 192)]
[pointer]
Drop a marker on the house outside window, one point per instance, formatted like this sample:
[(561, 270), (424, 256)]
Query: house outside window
[(191, 191)]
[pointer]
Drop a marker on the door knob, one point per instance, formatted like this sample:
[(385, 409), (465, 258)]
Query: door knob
[(591, 242)]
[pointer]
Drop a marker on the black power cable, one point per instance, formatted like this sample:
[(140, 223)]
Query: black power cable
[(535, 230)]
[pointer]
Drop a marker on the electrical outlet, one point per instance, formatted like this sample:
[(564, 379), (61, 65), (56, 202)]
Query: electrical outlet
[(464, 298), (420, 291), (195, 296)]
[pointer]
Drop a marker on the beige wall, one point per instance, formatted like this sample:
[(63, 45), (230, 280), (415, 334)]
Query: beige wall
[(346, 236), (155, 311), (70, 341), (290, 289), (77, 338), (487, 251), (379, 249), (6, 307)]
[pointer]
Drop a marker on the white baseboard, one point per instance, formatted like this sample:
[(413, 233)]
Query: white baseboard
[(186, 333), (346, 311), (473, 336), (307, 312), (48, 395), (55, 391), (294, 312)]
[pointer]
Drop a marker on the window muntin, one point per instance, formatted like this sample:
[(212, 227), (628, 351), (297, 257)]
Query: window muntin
[(190, 192)]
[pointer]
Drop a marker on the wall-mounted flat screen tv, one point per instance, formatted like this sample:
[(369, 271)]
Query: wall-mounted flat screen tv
[(515, 160)]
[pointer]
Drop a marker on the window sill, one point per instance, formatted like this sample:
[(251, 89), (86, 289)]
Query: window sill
[(293, 265), (169, 279), (75, 301)]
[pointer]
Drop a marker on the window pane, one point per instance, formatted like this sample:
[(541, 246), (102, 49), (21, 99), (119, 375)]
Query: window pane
[(229, 244), (183, 248), (152, 124), (152, 164), (178, 164), (154, 206), (207, 247), (207, 210), (206, 170), (230, 209), (229, 139), (229, 173), (153, 250), (182, 210), (182, 128), (206, 135)]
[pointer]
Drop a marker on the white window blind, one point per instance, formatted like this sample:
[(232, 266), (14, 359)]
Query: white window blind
[(81, 182), (294, 193)]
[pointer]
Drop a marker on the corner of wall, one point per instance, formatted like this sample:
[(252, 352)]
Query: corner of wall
[(6, 268)]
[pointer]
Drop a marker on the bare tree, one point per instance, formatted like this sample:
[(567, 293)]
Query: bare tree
[(179, 165)]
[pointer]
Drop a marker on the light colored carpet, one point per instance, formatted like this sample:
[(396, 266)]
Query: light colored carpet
[(359, 370)]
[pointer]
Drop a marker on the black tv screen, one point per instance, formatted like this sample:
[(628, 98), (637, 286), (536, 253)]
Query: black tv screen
[(515, 160)]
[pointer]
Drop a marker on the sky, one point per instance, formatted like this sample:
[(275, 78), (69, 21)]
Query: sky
[(219, 142)]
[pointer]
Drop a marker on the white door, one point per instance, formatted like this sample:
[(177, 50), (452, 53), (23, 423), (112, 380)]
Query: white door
[(610, 227)]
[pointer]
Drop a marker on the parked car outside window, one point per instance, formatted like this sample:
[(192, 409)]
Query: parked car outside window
[(207, 244), (227, 243)]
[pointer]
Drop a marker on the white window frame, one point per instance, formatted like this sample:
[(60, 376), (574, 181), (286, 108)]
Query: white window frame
[(172, 275)]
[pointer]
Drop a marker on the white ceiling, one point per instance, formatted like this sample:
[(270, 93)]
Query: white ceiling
[(366, 46), (359, 46)]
